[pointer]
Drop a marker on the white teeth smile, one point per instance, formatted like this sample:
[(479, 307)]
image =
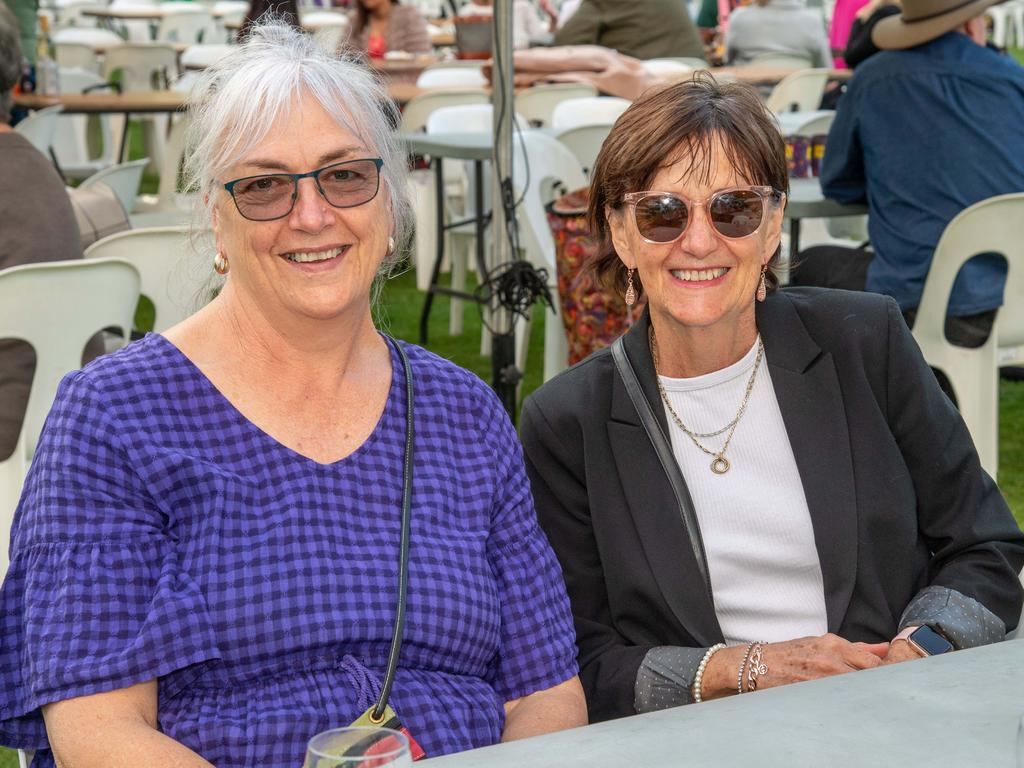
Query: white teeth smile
[(698, 275), (299, 257)]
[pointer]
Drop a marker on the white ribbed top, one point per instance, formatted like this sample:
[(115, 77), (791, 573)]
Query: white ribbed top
[(765, 573)]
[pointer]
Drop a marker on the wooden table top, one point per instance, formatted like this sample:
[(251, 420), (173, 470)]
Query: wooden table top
[(156, 13)]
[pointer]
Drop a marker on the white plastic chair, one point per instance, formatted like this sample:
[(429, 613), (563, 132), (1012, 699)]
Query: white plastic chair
[(1002, 29), (56, 307), (70, 140), (802, 89), (1016, 11), (39, 128), (97, 39), (169, 206), (599, 110), (169, 278), (204, 55), (123, 178), (672, 68), (991, 225), (584, 141), (537, 103), (146, 67), (419, 108), (451, 77), (552, 169), (781, 60), (76, 56), (186, 23)]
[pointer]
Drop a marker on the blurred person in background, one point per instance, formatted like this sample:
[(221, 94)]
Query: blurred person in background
[(284, 11), (380, 26), (785, 27), (526, 24), (643, 29)]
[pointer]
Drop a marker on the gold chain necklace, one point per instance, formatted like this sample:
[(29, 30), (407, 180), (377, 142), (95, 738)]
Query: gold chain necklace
[(719, 464)]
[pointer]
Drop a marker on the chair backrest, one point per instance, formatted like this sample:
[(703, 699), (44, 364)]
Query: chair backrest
[(536, 104), (670, 67), (419, 108), (584, 141), (186, 23), (598, 110), (123, 178), (71, 138), (169, 278), (143, 66), (781, 60), (75, 56), (39, 128), (56, 307), (992, 225), (97, 39), (451, 77), (465, 118), (802, 89), (805, 123), (204, 55)]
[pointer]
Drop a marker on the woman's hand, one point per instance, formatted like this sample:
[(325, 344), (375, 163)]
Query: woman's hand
[(792, 661)]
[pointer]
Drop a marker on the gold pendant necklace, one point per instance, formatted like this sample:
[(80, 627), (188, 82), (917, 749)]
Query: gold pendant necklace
[(719, 464)]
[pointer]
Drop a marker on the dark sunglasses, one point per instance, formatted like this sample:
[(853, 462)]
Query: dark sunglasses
[(662, 217), (272, 196)]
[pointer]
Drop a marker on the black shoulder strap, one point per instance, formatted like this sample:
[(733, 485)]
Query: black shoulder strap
[(403, 565), (665, 455)]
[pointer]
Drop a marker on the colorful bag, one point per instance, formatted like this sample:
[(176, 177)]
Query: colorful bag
[(593, 316)]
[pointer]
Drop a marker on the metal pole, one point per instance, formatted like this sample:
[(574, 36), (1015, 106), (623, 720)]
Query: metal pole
[(503, 357)]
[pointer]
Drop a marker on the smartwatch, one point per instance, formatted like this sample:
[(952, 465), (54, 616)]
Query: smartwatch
[(925, 640)]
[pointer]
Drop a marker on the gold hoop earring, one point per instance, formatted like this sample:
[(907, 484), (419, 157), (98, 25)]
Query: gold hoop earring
[(630, 290), (220, 264), (762, 287)]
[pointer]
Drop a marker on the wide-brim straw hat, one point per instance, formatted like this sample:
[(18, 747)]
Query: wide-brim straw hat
[(924, 20)]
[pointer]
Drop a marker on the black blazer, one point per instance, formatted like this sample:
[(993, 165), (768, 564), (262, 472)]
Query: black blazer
[(897, 497)]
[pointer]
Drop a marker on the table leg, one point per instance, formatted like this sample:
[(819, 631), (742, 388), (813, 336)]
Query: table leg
[(439, 257), (124, 137)]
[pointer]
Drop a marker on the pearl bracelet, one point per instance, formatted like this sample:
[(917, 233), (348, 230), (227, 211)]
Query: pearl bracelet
[(699, 677)]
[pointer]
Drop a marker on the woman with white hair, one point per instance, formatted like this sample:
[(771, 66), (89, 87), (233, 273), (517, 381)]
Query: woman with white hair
[(206, 557)]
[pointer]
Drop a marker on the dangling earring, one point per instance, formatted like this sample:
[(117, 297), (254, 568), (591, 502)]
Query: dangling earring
[(630, 290), (762, 288), (220, 264), (391, 246)]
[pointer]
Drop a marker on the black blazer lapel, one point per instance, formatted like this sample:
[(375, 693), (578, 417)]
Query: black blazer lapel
[(651, 502), (807, 389)]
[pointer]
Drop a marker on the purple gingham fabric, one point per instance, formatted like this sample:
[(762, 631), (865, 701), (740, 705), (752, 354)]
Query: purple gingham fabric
[(163, 535)]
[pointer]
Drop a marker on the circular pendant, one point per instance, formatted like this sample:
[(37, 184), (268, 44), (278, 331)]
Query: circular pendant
[(720, 465)]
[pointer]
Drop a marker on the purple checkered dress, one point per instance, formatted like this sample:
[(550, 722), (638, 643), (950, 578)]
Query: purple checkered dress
[(162, 535)]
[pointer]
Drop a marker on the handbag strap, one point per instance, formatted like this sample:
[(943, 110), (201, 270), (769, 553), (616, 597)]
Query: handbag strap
[(403, 566), (665, 455)]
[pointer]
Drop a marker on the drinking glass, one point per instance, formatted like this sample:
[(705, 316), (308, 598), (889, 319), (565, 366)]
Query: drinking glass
[(358, 747)]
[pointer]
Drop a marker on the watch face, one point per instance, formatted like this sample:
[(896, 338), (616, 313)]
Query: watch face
[(930, 641)]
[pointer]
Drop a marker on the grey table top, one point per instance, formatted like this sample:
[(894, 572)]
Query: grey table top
[(806, 201), (956, 710), (459, 146)]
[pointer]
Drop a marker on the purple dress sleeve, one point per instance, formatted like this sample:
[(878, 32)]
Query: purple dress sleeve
[(537, 648), (94, 599)]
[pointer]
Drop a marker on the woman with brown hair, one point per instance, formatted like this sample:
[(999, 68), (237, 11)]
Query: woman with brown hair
[(379, 26), (752, 487)]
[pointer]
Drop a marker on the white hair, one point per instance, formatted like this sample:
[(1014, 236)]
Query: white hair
[(237, 100)]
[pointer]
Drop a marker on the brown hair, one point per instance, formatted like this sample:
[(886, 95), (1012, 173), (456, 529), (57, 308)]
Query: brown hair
[(690, 117)]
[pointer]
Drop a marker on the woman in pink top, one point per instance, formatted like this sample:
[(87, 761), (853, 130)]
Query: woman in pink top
[(379, 26), (839, 30)]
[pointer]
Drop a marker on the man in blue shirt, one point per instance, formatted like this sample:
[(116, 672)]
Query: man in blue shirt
[(930, 125)]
